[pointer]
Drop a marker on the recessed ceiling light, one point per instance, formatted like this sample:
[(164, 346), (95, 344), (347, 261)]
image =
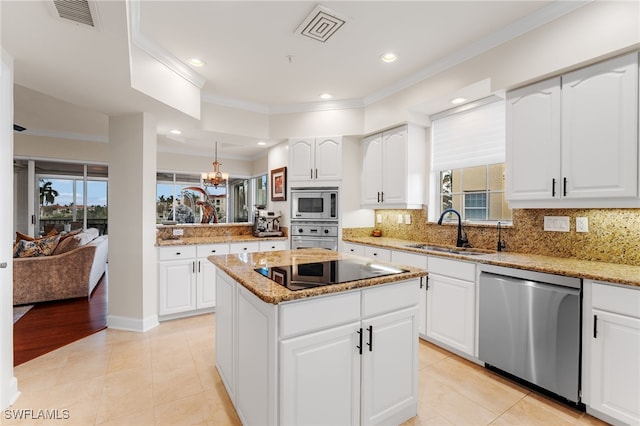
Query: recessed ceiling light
[(262, 143), (388, 57), (175, 132), (196, 62), (458, 101), (326, 96)]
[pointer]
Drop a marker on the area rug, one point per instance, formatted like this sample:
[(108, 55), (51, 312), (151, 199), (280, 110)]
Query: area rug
[(19, 311)]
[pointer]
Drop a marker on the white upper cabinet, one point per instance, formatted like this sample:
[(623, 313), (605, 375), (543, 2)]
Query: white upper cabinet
[(533, 141), (600, 129), (393, 169), (315, 159), (572, 141)]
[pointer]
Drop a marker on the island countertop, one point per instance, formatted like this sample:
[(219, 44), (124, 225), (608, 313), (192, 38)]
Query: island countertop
[(241, 267)]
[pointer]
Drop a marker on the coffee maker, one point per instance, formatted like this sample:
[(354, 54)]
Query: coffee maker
[(266, 223)]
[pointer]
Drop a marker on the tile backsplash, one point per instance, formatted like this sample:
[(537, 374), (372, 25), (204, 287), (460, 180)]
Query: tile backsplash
[(614, 234)]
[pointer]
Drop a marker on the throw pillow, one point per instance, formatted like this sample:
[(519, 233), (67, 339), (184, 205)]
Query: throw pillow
[(38, 247), (25, 237), (65, 245), (24, 248)]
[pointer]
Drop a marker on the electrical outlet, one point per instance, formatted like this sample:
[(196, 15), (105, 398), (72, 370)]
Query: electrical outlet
[(556, 223), (399, 218), (379, 218), (178, 232), (582, 224), (407, 219)]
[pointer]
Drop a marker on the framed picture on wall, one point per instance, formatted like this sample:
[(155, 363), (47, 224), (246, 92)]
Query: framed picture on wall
[(279, 184)]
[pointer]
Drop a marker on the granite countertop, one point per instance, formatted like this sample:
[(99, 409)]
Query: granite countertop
[(586, 269), (220, 239), (241, 267)]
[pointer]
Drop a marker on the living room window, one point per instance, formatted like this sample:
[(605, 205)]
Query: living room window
[(63, 202)]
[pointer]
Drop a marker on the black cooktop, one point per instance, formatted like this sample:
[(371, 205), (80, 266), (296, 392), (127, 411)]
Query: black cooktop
[(302, 276)]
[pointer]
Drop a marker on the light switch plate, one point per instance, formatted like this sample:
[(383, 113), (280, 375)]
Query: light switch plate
[(399, 218), (178, 232), (582, 224), (407, 219), (379, 218), (556, 223)]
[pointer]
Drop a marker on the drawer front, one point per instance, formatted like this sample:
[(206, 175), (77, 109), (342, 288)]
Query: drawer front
[(176, 252), (315, 314), (353, 249), (620, 300), (205, 250), (452, 268), (391, 297), (272, 245), (244, 247), (383, 255)]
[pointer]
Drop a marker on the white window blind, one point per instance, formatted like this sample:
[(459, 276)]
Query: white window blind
[(469, 138)]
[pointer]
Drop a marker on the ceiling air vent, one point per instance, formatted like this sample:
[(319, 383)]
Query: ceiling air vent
[(79, 11), (320, 24)]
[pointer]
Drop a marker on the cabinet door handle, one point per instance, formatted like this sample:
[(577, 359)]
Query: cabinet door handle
[(370, 344), (382, 196), (595, 326), (426, 286), (316, 173), (378, 196), (310, 173), (359, 341), (198, 266), (421, 285), (564, 187), (193, 266), (553, 187)]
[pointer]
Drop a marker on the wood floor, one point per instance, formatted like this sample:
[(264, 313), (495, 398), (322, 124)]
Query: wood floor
[(50, 325)]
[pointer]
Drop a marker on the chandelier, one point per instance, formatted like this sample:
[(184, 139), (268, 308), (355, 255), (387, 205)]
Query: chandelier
[(216, 177)]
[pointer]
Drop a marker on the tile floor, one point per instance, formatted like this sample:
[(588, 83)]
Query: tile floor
[(167, 377)]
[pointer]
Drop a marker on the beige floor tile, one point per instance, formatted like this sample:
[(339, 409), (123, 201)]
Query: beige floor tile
[(167, 376), (469, 379), (126, 392), (140, 418), (429, 354)]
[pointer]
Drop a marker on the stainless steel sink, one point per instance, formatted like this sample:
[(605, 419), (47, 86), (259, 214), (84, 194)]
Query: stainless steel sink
[(453, 250)]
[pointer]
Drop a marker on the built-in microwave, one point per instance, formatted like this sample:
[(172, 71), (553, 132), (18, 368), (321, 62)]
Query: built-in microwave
[(314, 203)]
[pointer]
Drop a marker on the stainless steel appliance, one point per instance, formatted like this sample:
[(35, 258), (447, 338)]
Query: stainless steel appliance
[(314, 234), (314, 203), (529, 327), (300, 276), (266, 223)]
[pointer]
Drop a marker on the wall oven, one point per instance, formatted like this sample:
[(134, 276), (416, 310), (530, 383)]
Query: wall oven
[(314, 235), (314, 204)]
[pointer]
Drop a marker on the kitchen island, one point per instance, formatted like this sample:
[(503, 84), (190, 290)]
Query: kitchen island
[(343, 353)]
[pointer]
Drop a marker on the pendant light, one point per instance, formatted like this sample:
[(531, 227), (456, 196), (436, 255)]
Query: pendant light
[(216, 177)]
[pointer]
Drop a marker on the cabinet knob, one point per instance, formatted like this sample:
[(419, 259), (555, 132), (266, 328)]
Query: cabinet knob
[(213, 251), (178, 253)]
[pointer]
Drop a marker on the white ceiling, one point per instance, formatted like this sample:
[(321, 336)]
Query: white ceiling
[(70, 77)]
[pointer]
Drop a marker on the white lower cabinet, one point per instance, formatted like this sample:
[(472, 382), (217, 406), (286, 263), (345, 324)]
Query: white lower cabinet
[(612, 352), (451, 304), (293, 364), (206, 274), (327, 360), (177, 280), (417, 261), (187, 279)]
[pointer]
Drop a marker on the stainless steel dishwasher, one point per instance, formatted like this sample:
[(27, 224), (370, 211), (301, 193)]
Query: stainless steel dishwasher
[(529, 327)]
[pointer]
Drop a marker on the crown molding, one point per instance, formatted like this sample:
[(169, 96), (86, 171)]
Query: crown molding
[(156, 51)]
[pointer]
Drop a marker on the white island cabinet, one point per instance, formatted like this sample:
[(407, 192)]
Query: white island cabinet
[(611, 352), (292, 363)]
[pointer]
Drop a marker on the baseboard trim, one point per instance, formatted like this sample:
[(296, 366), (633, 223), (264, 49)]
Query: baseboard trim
[(132, 324)]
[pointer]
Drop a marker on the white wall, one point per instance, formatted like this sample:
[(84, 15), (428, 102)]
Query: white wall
[(352, 215), (8, 383), (317, 123), (279, 157)]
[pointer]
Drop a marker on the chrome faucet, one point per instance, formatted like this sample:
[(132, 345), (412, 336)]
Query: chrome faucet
[(462, 240)]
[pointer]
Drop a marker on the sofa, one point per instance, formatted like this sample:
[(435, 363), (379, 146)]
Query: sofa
[(63, 274)]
